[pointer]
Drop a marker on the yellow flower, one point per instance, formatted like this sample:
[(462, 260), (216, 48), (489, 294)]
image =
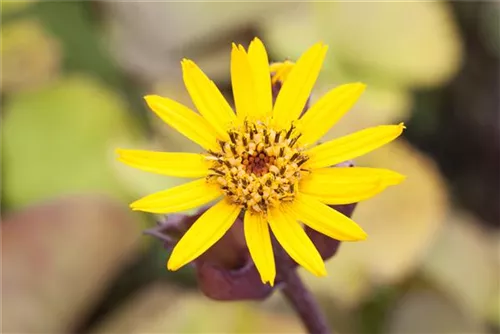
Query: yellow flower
[(261, 161)]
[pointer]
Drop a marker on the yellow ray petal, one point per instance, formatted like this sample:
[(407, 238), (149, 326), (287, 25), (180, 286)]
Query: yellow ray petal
[(325, 220), (242, 81), (280, 71), (167, 163), (295, 241), (184, 120), (352, 146), (257, 56), (344, 185), (259, 245), (328, 110), (205, 232), (184, 197), (298, 85), (207, 98)]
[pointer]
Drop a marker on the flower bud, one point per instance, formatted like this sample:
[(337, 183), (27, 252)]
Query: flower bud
[(226, 270)]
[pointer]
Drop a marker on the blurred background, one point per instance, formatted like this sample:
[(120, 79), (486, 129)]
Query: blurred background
[(73, 77)]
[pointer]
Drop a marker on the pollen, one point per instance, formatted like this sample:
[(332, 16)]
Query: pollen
[(259, 167)]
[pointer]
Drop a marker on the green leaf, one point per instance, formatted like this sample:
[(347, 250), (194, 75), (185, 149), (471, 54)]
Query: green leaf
[(60, 140), (378, 39), (30, 56)]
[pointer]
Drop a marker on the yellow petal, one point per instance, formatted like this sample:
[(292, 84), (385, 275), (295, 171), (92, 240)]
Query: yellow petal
[(295, 241), (167, 163), (325, 220), (184, 120), (257, 56), (344, 185), (205, 232), (297, 87), (184, 197), (259, 245), (208, 99), (280, 71), (352, 146), (328, 110), (242, 81)]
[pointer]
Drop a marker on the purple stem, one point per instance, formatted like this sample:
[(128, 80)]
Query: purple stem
[(299, 296), (304, 304)]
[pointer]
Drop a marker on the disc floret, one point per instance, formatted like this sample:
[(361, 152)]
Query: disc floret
[(259, 167)]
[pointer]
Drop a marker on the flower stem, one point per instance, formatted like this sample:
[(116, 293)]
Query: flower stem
[(304, 303)]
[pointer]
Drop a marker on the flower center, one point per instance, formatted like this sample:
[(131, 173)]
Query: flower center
[(259, 167)]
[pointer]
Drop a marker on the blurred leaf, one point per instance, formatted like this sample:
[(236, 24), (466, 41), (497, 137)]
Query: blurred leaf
[(462, 261), (378, 105), (406, 217), (30, 57), (150, 40), (427, 311), (139, 313), (489, 26), (82, 45), (373, 312), (15, 6), (372, 42), (401, 223), (493, 316), (61, 140), (377, 38), (348, 281), (84, 48), (162, 309), (291, 31), (58, 258)]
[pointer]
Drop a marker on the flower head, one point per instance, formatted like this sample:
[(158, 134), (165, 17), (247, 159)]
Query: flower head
[(260, 160)]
